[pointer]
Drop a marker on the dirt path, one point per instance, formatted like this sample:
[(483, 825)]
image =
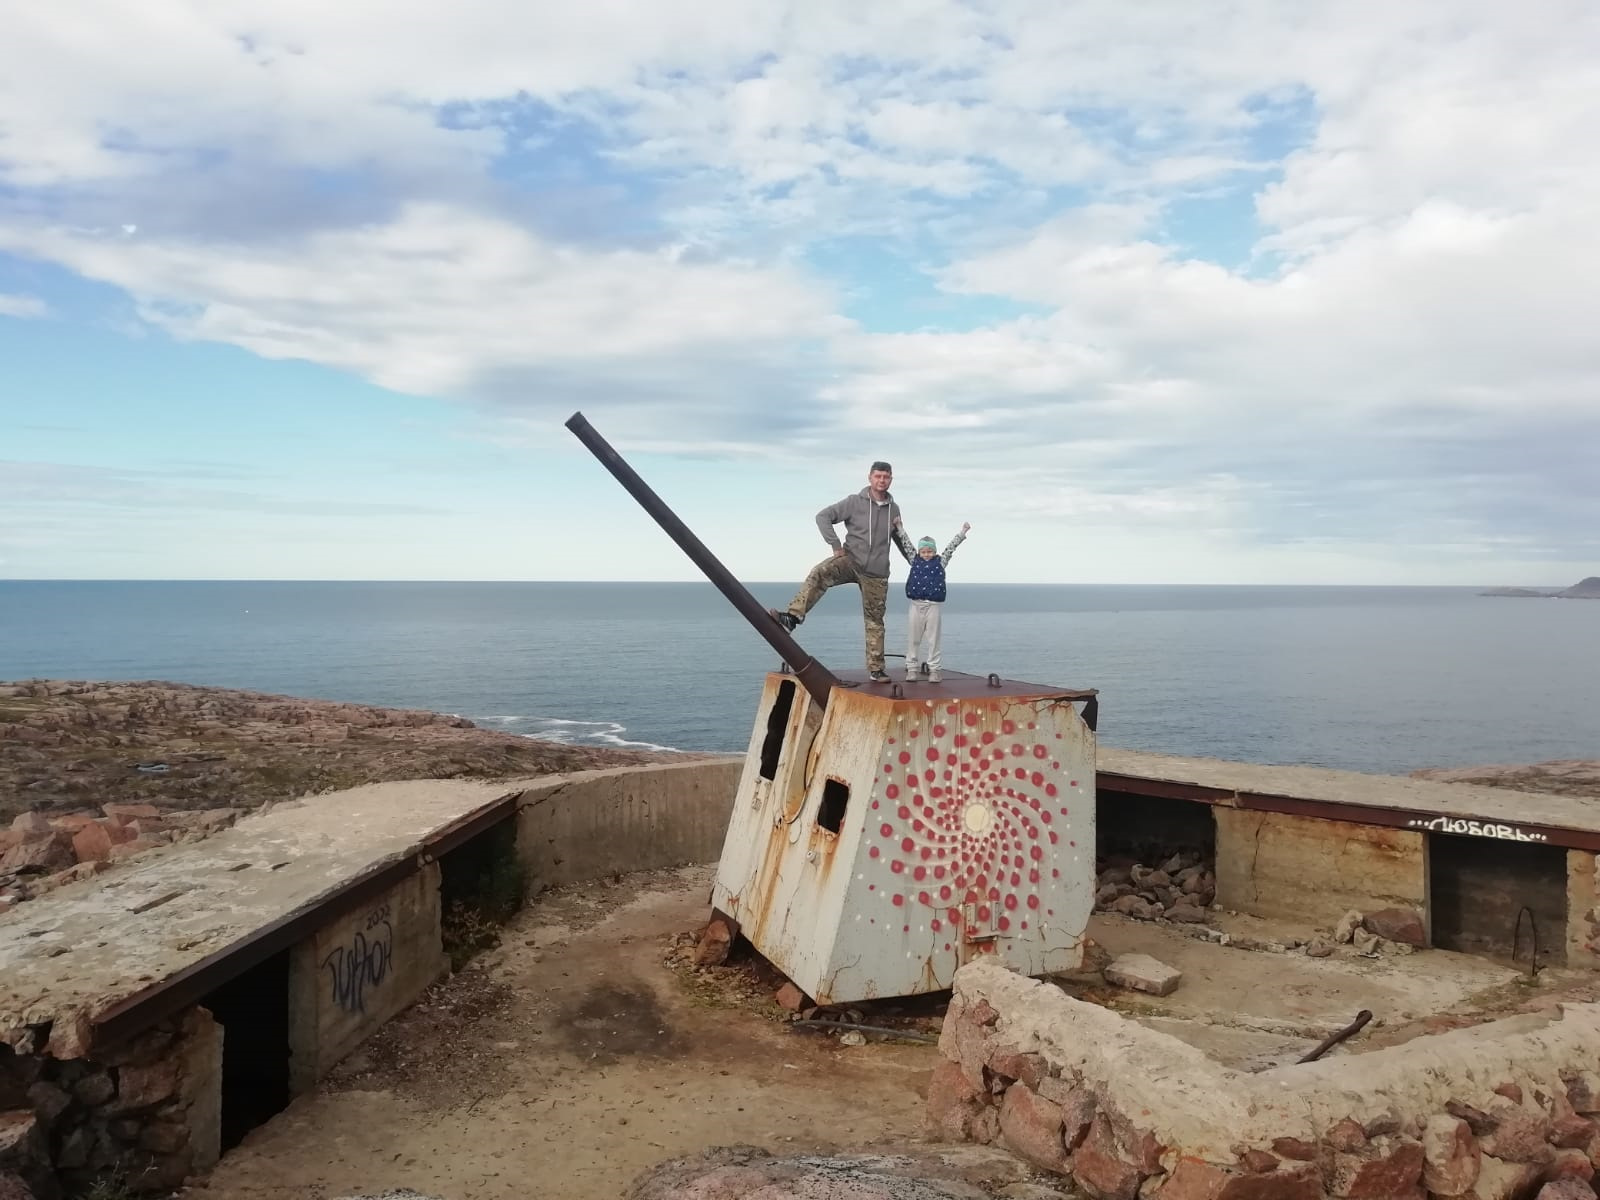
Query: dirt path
[(565, 1063)]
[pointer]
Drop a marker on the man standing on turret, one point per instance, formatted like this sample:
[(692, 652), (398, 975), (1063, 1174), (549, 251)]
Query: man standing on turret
[(871, 520)]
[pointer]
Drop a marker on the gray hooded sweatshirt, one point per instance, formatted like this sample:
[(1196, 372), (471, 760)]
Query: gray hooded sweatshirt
[(868, 530)]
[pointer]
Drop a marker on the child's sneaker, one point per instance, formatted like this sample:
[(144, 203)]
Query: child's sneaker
[(934, 676)]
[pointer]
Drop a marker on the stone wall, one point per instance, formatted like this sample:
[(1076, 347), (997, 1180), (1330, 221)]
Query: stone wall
[(590, 825), (360, 969), (1583, 909), (144, 1117), (1495, 1112), (1307, 869)]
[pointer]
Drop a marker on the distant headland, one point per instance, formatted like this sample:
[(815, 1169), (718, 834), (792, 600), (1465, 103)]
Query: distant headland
[(1584, 589)]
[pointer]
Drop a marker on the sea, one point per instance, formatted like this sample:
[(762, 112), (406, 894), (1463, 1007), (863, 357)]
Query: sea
[(1383, 679)]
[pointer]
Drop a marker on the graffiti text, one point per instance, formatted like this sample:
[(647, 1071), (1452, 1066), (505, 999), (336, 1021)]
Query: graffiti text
[(1488, 829), (363, 964)]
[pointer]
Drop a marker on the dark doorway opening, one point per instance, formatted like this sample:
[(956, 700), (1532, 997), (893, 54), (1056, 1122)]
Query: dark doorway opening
[(1478, 889), (1148, 829), (253, 1010), (835, 799), (482, 884), (777, 726)]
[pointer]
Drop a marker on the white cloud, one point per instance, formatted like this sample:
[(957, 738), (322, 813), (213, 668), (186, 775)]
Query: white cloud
[(12, 305), (1406, 353), (443, 301)]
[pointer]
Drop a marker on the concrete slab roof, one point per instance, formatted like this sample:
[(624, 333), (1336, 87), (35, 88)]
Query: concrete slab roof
[(92, 946), (1393, 800)]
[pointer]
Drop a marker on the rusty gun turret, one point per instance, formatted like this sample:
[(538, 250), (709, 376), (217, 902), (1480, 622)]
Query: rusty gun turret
[(813, 676)]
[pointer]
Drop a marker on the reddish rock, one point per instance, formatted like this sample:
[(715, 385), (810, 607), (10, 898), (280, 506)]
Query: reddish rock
[(124, 813), (1570, 1164), (952, 1101), (1098, 1167), (1477, 1120), (129, 849), (70, 1034), (30, 823), (40, 853), (1077, 1105), (1511, 1091), (1451, 1156), (1193, 1179), (1030, 1069), (1566, 1189), (1346, 1136), (1572, 1132), (1294, 1148), (1258, 1162), (1583, 1093), (981, 1012), (22, 1139), (972, 1044), (13, 1188), (790, 997), (1385, 1169), (92, 843), (1137, 1145), (1520, 1135), (1505, 1181), (9, 838), (71, 822), (1031, 1126), (1381, 1126), (715, 942), (1397, 925), (145, 1087)]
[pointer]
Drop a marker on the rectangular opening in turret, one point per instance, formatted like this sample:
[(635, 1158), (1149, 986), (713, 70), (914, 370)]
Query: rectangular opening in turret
[(835, 799), (777, 726)]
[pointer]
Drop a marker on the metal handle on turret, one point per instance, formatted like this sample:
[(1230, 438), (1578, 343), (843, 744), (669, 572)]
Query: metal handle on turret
[(813, 676)]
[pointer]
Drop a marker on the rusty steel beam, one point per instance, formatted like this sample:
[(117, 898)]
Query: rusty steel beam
[(813, 676), (1164, 789)]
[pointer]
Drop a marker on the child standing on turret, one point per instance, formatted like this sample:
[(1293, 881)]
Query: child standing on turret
[(925, 588)]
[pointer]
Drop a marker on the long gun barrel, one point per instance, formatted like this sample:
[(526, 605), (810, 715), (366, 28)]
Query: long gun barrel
[(813, 676)]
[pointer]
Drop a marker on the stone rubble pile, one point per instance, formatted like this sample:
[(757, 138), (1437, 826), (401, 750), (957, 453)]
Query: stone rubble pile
[(39, 853), (67, 1125), (1539, 1141), (1180, 888)]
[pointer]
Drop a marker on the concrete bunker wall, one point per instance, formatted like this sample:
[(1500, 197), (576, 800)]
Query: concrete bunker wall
[(1470, 891), (1309, 869), (1130, 1112), (590, 825), (359, 970), (162, 1103)]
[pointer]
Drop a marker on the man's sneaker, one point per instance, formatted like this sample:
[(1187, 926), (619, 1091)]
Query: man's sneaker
[(878, 676), (787, 619), (934, 676)]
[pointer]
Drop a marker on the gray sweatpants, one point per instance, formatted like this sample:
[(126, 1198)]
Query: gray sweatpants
[(923, 626)]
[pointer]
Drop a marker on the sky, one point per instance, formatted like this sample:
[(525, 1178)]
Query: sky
[(1238, 292)]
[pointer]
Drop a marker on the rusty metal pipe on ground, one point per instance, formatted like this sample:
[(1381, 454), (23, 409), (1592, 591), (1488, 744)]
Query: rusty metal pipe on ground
[(813, 676)]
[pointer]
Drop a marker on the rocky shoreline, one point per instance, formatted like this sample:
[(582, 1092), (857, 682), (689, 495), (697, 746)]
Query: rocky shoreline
[(95, 773)]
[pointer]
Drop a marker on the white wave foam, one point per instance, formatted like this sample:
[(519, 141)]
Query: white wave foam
[(567, 731)]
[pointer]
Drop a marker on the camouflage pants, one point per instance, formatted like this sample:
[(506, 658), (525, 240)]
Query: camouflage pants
[(830, 573)]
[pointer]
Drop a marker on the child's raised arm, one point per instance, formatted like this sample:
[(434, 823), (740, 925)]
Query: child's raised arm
[(954, 542)]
